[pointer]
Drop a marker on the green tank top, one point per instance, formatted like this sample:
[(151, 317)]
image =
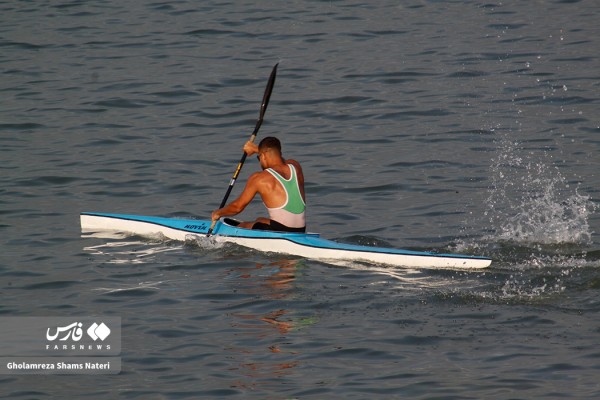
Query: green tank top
[(295, 203)]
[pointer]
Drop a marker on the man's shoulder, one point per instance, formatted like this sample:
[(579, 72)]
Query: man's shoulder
[(260, 176), (293, 162)]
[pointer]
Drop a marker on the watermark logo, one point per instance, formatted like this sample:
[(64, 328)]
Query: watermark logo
[(96, 331), (60, 345), (74, 332)]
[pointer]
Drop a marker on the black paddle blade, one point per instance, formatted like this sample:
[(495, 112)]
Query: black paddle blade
[(268, 91), (265, 100)]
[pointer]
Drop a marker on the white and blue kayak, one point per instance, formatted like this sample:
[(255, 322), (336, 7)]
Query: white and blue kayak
[(307, 245)]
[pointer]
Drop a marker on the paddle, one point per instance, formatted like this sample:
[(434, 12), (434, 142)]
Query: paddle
[(263, 109)]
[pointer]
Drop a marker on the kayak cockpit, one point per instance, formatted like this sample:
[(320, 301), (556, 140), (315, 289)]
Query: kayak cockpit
[(231, 221)]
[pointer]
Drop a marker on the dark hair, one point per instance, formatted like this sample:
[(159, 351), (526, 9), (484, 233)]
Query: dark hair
[(270, 143)]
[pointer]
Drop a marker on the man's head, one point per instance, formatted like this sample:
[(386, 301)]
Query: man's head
[(270, 143), (269, 152)]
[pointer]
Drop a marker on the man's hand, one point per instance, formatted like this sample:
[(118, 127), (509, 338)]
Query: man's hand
[(250, 148), (215, 215)]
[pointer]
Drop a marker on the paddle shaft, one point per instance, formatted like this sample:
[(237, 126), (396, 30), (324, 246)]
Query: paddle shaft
[(235, 175), (263, 109)]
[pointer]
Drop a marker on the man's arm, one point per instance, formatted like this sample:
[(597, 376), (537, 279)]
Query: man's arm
[(238, 205)]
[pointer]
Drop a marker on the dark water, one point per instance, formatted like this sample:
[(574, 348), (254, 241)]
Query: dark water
[(463, 126)]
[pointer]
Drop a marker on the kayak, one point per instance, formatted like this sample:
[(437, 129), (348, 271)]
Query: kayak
[(307, 245)]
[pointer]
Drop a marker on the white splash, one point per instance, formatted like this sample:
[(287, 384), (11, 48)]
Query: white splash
[(531, 202), (203, 242)]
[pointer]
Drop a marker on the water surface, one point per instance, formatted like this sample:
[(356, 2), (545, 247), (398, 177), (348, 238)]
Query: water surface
[(435, 125)]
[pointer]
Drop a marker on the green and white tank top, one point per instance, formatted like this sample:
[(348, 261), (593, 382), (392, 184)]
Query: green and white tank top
[(292, 212)]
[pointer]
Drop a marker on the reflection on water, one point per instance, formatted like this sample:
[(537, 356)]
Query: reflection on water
[(127, 288), (261, 337), (135, 252), (273, 280)]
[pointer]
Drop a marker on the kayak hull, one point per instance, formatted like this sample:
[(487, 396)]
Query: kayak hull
[(308, 245)]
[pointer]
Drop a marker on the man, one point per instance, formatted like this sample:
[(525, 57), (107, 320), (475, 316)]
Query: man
[(280, 185)]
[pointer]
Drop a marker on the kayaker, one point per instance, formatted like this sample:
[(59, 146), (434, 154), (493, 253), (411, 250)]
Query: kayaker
[(280, 185)]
